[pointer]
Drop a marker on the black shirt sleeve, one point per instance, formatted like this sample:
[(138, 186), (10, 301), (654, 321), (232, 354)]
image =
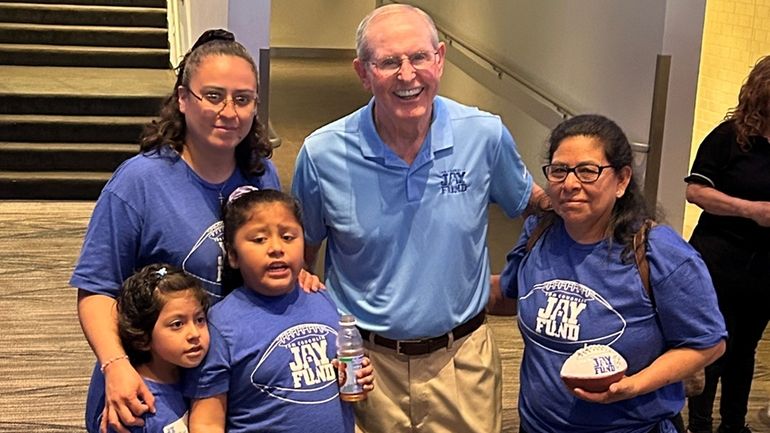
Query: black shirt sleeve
[(713, 155)]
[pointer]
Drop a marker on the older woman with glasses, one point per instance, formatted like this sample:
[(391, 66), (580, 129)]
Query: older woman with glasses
[(164, 205), (577, 283)]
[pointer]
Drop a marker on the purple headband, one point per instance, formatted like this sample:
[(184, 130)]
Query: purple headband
[(241, 191)]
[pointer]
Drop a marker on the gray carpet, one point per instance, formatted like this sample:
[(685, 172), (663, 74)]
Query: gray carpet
[(44, 359)]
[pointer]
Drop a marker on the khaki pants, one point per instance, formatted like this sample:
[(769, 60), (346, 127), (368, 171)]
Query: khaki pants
[(454, 390)]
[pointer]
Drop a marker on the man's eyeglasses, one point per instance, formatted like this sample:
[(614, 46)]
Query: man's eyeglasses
[(585, 173), (217, 101), (392, 64)]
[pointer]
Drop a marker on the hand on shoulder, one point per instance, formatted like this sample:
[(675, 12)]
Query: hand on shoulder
[(309, 282)]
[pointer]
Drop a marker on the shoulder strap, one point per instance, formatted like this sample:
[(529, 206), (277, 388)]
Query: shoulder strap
[(543, 224), (640, 254)]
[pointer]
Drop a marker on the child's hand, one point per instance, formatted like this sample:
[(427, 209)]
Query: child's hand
[(309, 282), (365, 376)]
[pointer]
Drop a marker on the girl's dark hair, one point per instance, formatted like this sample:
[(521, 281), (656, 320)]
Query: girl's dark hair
[(141, 300), (171, 128), (237, 211), (753, 110), (631, 209)]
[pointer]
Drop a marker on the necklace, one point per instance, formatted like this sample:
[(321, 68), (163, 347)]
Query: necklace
[(221, 190), (220, 194)]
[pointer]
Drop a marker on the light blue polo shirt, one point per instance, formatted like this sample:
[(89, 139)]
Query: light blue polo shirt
[(406, 244)]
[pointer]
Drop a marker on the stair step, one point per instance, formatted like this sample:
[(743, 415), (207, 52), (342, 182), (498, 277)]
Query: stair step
[(71, 129), (52, 185), (94, 82), (139, 3), (54, 34), (103, 157), (81, 105), (83, 14), (63, 55)]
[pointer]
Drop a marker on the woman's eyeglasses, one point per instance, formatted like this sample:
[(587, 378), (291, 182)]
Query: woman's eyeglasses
[(585, 173), (217, 101)]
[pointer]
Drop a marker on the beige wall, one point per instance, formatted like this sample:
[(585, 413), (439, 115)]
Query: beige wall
[(593, 55), (736, 35), (316, 23)]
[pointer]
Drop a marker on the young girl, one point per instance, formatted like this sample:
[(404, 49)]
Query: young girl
[(270, 368), (162, 327)]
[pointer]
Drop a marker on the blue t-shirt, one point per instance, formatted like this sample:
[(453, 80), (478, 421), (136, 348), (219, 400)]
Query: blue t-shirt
[(572, 294), (156, 209), (272, 356), (170, 409), (406, 244)]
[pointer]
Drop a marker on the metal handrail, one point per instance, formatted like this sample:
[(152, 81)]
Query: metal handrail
[(502, 70)]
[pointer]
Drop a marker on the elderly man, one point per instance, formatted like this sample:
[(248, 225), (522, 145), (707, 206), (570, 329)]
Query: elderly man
[(400, 190)]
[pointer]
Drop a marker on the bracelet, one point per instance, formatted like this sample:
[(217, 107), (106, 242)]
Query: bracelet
[(110, 361)]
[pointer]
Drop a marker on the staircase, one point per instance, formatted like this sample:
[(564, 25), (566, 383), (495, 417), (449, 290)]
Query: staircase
[(77, 83)]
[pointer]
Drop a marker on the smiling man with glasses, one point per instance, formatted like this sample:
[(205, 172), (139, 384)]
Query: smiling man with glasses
[(400, 190)]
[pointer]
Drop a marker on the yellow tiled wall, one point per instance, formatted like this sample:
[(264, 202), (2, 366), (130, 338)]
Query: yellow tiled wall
[(735, 35)]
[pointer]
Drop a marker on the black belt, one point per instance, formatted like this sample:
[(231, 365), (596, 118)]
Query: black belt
[(427, 345)]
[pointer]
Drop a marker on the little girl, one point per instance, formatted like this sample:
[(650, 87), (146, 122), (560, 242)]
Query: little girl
[(270, 368), (162, 327)]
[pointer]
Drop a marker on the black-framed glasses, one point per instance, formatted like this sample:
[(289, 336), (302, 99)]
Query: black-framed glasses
[(585, 173), (392, 64), (216, 100)]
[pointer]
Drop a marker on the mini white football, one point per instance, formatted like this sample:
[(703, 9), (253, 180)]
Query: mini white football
[(593, 368)]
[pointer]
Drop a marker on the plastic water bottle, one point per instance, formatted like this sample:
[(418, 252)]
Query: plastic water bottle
[(350, 354)]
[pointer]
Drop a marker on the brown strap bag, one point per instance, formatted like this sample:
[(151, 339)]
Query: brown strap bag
[(694, 384)]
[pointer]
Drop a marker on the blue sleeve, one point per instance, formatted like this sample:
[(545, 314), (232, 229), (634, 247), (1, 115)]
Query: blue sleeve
[(511, 183), (509, 277), (110, 247), (212, 376), (328, 298), (685, 298), (306, 188)]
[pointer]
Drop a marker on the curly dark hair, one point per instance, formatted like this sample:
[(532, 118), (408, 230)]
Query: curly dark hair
[(630, 210), (171, 128), (753, 110), (141, 300), (235, 214)]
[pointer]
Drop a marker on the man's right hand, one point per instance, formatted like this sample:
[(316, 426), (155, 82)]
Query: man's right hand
[(126, 398), (498, 304)]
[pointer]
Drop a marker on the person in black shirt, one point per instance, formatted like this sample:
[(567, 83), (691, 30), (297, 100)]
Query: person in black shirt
[(730, 181)]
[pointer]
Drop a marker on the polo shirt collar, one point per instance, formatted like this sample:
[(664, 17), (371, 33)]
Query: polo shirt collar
[(439, 137)]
